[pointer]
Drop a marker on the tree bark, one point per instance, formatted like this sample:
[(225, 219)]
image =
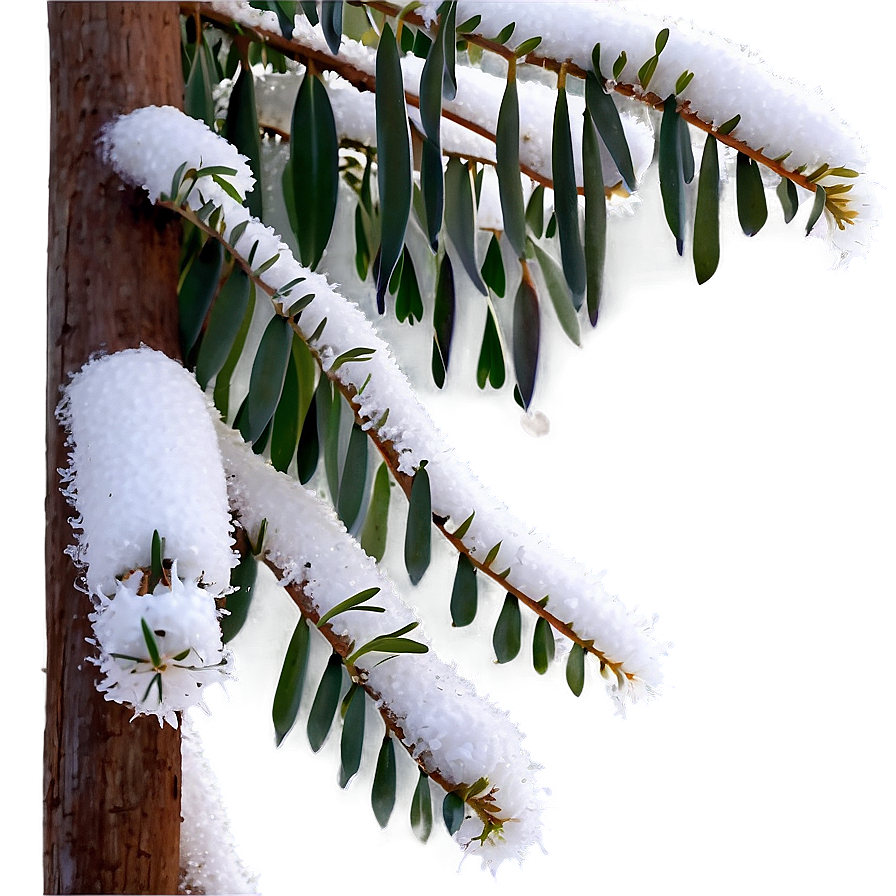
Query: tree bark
[(112, 787)]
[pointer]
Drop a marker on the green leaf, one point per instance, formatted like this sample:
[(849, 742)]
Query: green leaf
[(817, 208), (464, 594), (605, 116), (575, 669), (394, 168), (350, 603), (353, 484), (460, 218), (566, 202), (382, 795), (241, 129), (559, 293), (222, 380), (242, 578), (362, 248), (671, 173), (314, 167), (504, 34), (443, 321), (790, 200), (619, 65), (431, 173), (157, 560), (284, 17), (353, 354), (309, 9), (462, 529), (352, 743), (535, 212), (526, 47), (490, 366), (448, 37), (752, 211), (151, 644), (684, 79), (419, 526), (329, 420), (388, 644), (491, 555), (288, 695), (308, 451), (453, 812), (728, 126), (706, 216), (197, 290), (542, 646), (526, 337), (595, 218), (224, 324), (198, 102), (421, 808), (408, 302), (687, 150), (646, 72), (373, 536), (493, 268), (326, 702), (331, 24), (266, 379), (286, 424), (469, 25), (507, 154), (506, 637)]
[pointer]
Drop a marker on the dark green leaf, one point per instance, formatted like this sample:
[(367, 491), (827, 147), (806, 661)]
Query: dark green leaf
[(288, 695), (222, 380), (151, 644), (362, 249), (432, 191), (373, 536), (504, 34), (542, 646), (394, 169), (566, 202), (224, 324), (419, 527), (286, 425), (242, 578), (329, 420), (448, 38), (241, 129), (431, 173), (443, 322), (198, 102), (382, 795), (605, 116), (535, 213), (595, 218), (790, 200), (326, 702), (687, 151), (671, 173), (196, 292), (314, 167), (575, 669), (350, 603), (619, 65), (352, 743), (308, 451), (752, 211), (507, 153), (460, 218), (331, 23), (469, 25), (490, 367), (493, 268), (706, 217), (421, 809), (266, 380), (284, 18), (309, 8), (551, 229), (817, 208), (352, 486), (506, 637), (453, 811), (559, 293), (464, 594), (526, 337), (408, 302)]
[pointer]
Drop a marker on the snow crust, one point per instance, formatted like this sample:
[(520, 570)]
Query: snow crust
[(208, 858), (576, 595), (144, 457), (445, 723)]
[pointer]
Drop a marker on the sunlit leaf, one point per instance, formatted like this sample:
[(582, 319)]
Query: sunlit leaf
[(460, 218), (464, 594), (352, 743), (417, 541), (382, 794), (288, 695), (542, 646), (706, 217), (421, 809), (326, 702), (443, 321), (506, 636), (526, 338), (752, 211)]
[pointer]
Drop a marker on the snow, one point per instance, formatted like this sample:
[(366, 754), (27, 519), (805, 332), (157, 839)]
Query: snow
[(576, 595), (446, 725)]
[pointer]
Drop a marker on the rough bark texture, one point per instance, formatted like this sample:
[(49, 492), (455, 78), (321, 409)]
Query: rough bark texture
[(112, 787)]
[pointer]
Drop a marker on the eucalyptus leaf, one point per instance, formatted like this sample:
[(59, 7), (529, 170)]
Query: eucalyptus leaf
[(382, 795), (326, 702), (464, 594), (394, 157), (566, 202), (417, 540), (706, 217), (752, 211), (506, 636), (421, 808), (460, 218), (288, 695), (453, 811)]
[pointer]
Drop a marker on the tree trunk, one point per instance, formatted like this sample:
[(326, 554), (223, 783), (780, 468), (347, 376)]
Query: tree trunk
[(112, 787)]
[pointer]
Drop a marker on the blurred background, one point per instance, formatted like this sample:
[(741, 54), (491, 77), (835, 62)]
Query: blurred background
[(725, 452)]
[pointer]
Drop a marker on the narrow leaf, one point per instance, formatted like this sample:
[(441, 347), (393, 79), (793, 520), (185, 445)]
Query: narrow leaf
[(350, 603), (535, 212), (506, 637), (526, 337), (308, 451), (286, 424), (266, 379), (326, 702), (352, 742), (817, 208), (542, 646), (382, 795), (222, 380), (687, 150), (460, 218), (443, 321), (575, 669), (493, 268), (373, 536), (151, 644), (490, 366), (331, 24), (419, 527), (448, 38), (198, 102), (197, 290), (421, 809), (595, 218), (752, 211), (559, 292), (462, 529), (671, 173), (507, 153), (353, 483), (605, 116), (242, 579), (431, 172), (790, 200), (224, 324), (288, 695), (706, 217), (464, 594), (453, 812), (241, 129)]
